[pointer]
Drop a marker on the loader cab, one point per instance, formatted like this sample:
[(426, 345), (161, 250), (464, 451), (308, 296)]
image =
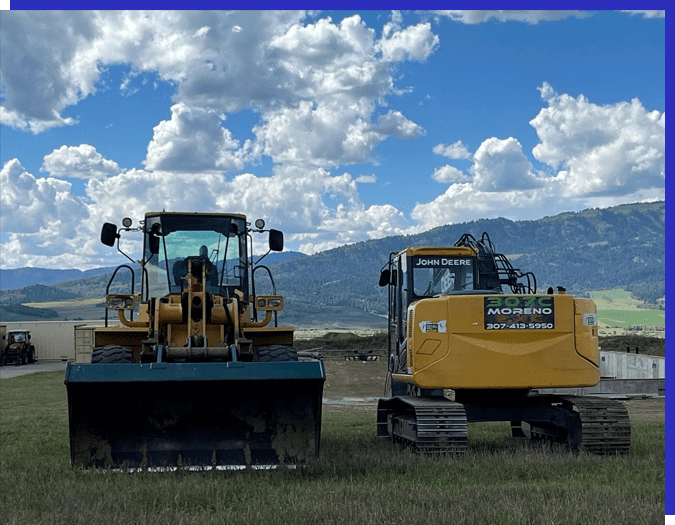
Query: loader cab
[(173, 242)]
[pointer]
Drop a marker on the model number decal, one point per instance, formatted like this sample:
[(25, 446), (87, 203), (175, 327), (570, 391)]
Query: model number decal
[(519, 313)]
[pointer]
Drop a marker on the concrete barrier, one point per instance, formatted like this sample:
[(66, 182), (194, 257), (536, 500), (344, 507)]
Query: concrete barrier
[(619, 388), (622, 365)]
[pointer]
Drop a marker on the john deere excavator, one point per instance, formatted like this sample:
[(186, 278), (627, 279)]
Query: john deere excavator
[(452, 327), (196, 380)]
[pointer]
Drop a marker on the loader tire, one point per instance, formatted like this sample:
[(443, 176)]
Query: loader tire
[(112, 354), (277, 353)]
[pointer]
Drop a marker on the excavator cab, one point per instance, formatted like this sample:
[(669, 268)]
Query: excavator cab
[(196, 380)]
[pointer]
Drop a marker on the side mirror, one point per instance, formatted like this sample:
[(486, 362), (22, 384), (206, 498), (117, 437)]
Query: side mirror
[(153, 244), (109, 234), (388, 277), (276, 241)]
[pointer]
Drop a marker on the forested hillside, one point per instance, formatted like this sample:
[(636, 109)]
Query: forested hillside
[(21, 277), (594, 249)]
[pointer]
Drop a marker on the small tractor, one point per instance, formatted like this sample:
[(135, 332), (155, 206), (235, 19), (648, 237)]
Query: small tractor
[(453, 328), (18, 350), (196, 380)]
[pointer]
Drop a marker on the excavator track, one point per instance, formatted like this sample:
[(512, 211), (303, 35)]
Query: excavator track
[(596, 425), (605, 427), (433, 425)]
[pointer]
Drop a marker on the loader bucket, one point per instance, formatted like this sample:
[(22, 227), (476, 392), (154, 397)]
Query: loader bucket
[(194, 414)]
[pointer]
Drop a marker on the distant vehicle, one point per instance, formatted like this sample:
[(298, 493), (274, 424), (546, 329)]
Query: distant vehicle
[(18, 349)]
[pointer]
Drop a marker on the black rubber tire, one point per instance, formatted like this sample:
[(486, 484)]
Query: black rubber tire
[(276, 353), (24, 358), (112, 354), (31, 355)]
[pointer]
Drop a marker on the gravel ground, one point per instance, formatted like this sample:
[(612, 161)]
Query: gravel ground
[(47, 366)]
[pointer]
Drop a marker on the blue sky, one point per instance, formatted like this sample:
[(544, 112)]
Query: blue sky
[(334, 126)]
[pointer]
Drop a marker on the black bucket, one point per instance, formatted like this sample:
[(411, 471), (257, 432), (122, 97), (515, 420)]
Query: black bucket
[(194, 414)]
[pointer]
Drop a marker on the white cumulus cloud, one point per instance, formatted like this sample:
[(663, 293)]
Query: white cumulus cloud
[(456, 150), (648, 13), (610, 149), (412, 43), (449, 174), (193, 139), (81, 162), (322, 95), (501, 165), (509, 15), (594, 156)]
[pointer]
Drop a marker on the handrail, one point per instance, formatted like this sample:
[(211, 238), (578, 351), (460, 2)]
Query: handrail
[(274, 291), (107, 289)]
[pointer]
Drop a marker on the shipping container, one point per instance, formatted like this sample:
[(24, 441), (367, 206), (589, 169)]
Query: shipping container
[(84, 343), (53, 340)]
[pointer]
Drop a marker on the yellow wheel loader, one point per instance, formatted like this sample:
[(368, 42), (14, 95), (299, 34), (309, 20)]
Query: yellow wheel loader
[(196, 380), (452, 327)]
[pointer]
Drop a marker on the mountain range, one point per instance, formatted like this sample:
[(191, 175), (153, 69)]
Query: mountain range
[(595, 249), (20, 277)]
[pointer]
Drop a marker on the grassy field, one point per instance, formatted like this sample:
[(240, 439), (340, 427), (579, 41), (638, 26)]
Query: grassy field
[(618, 311), (626, 318), (618, 308), (88, 309), (356, 480)]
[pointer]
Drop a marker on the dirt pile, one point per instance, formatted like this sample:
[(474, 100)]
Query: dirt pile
[(345, 341), (644, 345)]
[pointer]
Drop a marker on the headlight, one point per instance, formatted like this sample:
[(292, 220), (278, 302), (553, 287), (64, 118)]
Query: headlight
[(120, 302), (269, 302)]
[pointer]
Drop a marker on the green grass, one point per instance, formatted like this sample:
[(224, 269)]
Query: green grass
[(617, 308), (615, 299), (625, 318), (357, 479)]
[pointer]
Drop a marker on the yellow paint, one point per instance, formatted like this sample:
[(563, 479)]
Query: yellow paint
[(467, 355)]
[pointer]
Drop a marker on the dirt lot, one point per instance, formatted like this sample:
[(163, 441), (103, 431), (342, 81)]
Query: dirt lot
[(360, 383), (647, 409)]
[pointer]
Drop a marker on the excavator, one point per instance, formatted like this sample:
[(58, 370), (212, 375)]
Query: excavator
[(196, 380), (463, 321)]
